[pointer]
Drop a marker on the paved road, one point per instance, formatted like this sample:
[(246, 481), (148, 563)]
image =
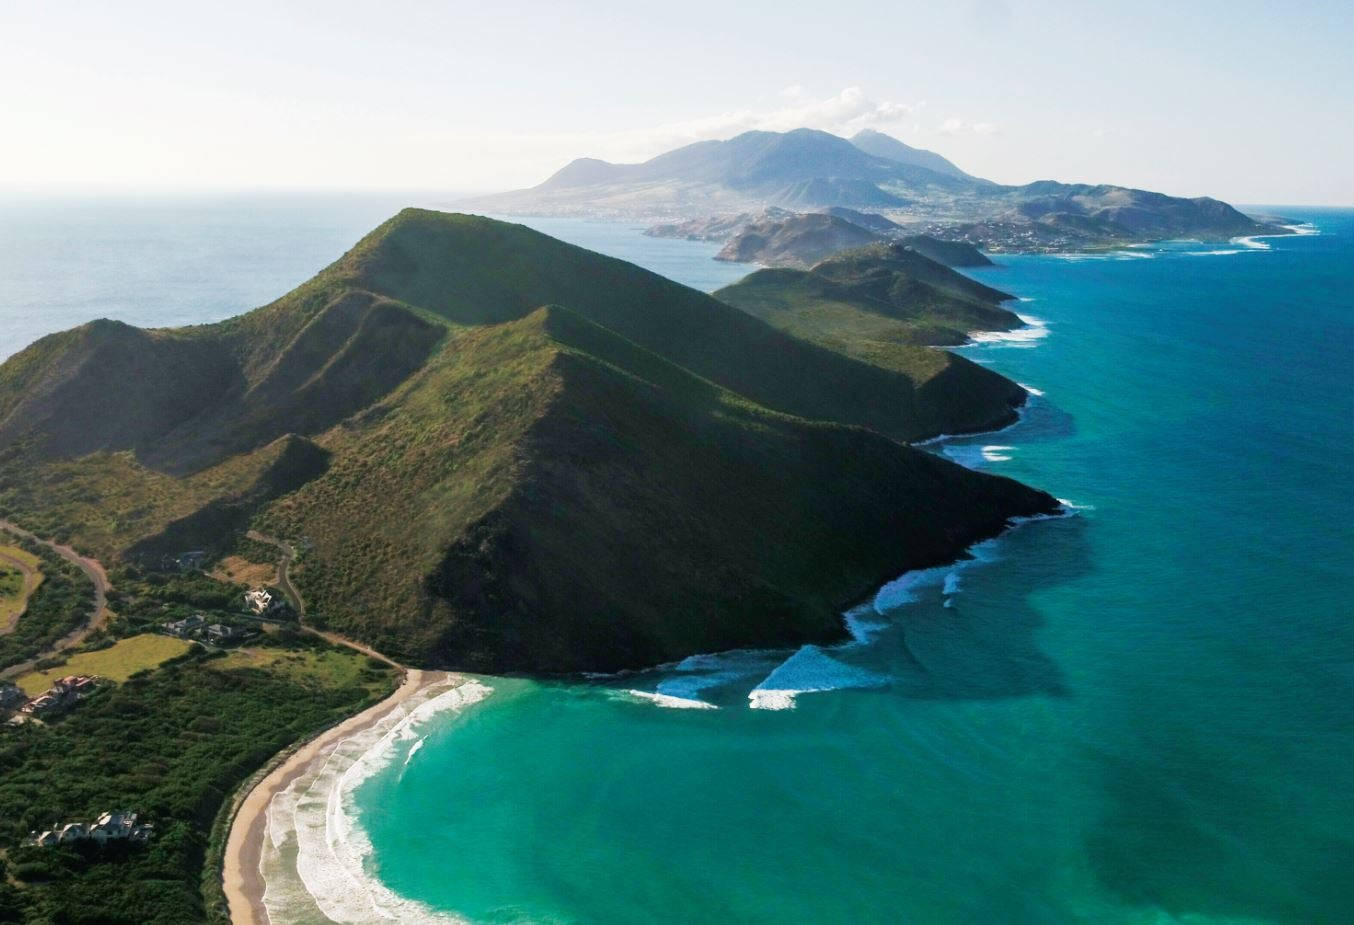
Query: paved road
[(98, 616)]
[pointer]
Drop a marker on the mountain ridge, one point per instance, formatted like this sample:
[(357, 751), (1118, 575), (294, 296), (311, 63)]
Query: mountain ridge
[(487, 477), (811, 170)]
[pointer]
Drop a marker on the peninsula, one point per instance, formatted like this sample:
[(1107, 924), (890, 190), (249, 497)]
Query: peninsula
[(806, 170), (506, 453)]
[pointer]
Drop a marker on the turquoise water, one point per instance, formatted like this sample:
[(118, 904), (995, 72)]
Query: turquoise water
[(1141, 713)]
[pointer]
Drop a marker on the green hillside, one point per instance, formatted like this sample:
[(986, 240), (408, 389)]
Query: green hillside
[(889, 306), (481, 482)]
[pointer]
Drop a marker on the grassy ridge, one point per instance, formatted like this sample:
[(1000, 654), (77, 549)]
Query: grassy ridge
[(480, 482), (607, 509), (887, 305)]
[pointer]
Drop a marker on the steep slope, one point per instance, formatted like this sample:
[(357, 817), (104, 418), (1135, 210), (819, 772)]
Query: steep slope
[(485, 484), (803, 239), (949, 253), (594, 507), (184, 400), (886, 146), (797, 241), (716, 227), (803, 168), (887, 305), (471, 270)]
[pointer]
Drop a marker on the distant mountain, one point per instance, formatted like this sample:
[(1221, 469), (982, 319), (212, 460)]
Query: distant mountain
[(716, 227), (890, 148), (803, 168), (871, 220), (810, 171), (803, 239), (798, 241), (948, 253), (506, 453)]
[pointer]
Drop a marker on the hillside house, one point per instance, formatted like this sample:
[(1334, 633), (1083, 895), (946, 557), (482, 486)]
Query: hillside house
[(11, 698), (186, 627), (63, 693), (114, 826), (219, 633), (261, 601)]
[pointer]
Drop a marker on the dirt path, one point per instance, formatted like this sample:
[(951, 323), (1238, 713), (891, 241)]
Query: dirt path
[(99, 615), (284, 582), (241, 878), (32, 578), (283, 564)]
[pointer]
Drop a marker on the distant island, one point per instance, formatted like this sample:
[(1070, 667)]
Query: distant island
[(501, 452), (731, 184)]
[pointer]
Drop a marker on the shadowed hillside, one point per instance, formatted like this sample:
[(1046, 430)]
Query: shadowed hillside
[(635, 473), (888, 305)]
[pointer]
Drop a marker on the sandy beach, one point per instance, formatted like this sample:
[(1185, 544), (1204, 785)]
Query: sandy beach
[(244, 883)]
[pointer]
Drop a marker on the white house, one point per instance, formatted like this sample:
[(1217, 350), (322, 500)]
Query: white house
[(260, 601)]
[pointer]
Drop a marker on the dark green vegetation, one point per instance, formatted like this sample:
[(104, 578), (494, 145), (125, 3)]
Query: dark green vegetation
[(797, 241), (809, 170), (60, 604), (888, 305), (803, 239), (145, 599), (505, 453), (11, 581), (172, 745)]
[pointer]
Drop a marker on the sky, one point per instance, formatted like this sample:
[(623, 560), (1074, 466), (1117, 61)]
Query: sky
[(1251, 102)]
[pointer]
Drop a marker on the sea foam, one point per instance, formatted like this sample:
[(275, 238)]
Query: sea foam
[(670, 701), (313, 821), (1030, 333), (810, 670)]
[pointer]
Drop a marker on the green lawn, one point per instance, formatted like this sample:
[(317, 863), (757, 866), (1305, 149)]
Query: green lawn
[(117, 663)]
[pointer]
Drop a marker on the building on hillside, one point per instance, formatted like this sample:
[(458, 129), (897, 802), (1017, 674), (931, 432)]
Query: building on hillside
[(63, 693), (219, 633), (11, 698), (261, 601), (114, 827), (186, 627), (72, 831)]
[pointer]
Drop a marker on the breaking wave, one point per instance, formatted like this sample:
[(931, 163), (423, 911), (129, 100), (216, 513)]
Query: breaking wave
[(1033, 330), (314, 853)]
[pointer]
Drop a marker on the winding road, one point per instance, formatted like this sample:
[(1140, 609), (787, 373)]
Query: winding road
[(98, 617), (299, 605), (32, 578)]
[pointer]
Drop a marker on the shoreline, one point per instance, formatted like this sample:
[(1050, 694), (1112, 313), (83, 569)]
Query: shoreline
[(242, 879)]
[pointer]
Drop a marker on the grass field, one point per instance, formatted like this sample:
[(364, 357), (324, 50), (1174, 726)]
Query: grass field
[(308, 668), (241, 571), (116, 663), (16, 565)]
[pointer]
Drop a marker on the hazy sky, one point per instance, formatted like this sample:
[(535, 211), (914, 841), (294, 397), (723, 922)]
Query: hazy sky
[(1252, 102)]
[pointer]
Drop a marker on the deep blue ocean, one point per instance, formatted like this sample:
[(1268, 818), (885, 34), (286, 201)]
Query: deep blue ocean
[(1140, 713)]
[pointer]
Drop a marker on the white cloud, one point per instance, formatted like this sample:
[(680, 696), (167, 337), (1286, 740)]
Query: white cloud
[(844, 114), (530, 157), (957, 126)]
